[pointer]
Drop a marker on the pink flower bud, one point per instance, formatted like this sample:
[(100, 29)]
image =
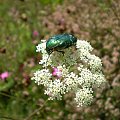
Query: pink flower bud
[(35, 33), (56, 72), (4, 75)]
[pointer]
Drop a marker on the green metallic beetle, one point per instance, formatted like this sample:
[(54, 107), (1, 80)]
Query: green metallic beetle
[(60, 42)]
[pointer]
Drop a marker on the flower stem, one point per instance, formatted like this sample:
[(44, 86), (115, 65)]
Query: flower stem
[(9, 118), (35, 111)]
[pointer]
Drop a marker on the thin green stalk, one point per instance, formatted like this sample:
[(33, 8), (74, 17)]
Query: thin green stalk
[(35, 111)]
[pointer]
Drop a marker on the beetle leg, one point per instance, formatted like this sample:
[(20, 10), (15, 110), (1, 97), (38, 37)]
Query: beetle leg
[(61, 52)]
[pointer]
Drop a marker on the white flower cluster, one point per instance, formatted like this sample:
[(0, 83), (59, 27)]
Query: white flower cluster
[(77, 70)]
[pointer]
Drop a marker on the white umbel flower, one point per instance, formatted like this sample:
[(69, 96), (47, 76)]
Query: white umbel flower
[(99, 79), (41, 47), (84, 45), (71, 82), (84, 96), (55, 89), (95, 63), (86, 78), (76, 71), (42, 77)]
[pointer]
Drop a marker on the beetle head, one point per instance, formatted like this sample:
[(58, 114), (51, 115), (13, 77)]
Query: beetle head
[(49, 51)]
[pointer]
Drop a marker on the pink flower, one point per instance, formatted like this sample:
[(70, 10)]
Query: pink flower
[(35, 33), (4, 75), (56, 72)]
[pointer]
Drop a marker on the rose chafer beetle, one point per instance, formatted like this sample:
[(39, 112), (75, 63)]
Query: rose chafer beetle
[(60, 42)]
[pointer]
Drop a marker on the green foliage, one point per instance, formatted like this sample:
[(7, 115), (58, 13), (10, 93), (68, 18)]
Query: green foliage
[(19, 96), (104, 5), (51, 2), (17, 46)]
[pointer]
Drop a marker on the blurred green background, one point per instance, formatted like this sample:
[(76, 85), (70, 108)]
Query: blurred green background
[(23, 23)]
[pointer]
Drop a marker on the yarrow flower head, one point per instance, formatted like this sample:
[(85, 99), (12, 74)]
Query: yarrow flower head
[(76, 71)]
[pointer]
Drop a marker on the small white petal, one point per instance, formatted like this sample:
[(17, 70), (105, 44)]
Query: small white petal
[(84, 96)]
